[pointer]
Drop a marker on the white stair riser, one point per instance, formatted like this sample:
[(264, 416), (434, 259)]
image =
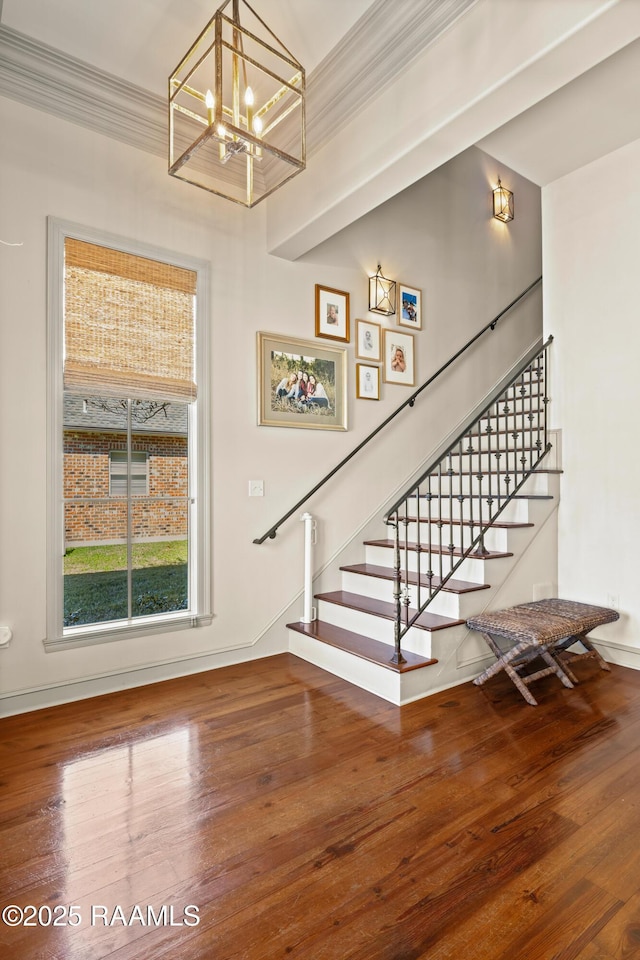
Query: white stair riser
[(458, 606), (488, 485), (502, 459), (496, 538), (378, 628), (531, 401), (472, 568), (383, 557), (503, 439), (517, 511)]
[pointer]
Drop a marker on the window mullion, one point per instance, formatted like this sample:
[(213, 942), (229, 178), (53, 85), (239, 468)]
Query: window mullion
[(129, 516)]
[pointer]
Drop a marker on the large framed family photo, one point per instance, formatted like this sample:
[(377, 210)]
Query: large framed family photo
[(301, 384)]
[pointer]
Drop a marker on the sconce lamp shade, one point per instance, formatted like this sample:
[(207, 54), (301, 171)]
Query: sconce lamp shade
[(237, 109), (382, 294), (502, 203)]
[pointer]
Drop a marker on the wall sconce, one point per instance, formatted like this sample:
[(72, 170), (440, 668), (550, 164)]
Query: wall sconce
[(502, 203), (382, 294)]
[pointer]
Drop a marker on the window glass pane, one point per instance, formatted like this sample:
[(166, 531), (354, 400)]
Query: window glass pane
[(95, 567), (125, 556), (160, 570)]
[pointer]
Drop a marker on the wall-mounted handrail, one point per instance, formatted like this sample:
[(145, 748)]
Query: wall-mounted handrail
[(409, 402)]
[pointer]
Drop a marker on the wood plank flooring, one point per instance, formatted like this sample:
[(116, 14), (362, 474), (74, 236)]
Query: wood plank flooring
[(304, 818)]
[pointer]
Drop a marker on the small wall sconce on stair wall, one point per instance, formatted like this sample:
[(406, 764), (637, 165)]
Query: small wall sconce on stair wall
[(382, 294), (502, 203)]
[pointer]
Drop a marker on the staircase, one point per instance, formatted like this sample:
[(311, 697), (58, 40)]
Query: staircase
[(459, 541)]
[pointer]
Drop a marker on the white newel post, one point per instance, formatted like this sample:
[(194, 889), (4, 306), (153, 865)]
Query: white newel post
[(309, 613)]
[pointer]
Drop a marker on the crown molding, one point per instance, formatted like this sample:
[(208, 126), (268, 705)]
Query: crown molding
[(378, 47), (40, 76), (357, 69)]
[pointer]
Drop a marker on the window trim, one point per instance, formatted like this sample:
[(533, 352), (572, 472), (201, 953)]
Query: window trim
[(58, 637)]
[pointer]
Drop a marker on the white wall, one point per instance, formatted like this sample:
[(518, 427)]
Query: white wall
[(591, 239), (440, 238)]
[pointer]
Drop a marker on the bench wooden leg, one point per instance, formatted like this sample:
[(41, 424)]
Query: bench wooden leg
[(591, 654), (507, 661)]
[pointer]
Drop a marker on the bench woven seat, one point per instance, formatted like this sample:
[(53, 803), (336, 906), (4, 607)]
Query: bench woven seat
[(543, 628)]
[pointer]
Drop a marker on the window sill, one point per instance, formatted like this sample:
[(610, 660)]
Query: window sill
[(89, 635)]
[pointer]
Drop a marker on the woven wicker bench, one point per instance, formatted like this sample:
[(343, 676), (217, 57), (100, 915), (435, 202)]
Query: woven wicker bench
[(544, 628)]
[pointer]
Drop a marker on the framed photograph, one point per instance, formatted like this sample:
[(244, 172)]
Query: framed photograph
[(409, 307), (367, 382), (301, 384), (399, 358), (368, 341), (332, 314)]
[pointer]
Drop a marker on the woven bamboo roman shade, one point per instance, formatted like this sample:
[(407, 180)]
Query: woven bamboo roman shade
[(128, 325)]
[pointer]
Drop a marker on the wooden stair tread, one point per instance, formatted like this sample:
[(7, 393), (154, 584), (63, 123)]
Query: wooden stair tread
[(364, 647), (498, 524), (423, 548), (476, 496), (385, 609), (388, 573)]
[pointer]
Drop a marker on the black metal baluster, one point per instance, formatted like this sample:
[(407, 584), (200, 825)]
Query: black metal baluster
[(419, 546), (461, 500), (498, 452), (405, 592), (397, 592), (470, 452), (430, 520), (441, 524), (545, 369), (523, 436), (480, 549), (540, 386), (450, 547), (507, 476), (489, 433)]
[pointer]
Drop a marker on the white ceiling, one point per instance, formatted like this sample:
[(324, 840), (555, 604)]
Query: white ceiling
[(141, 41), (591, 116), (564, 91)]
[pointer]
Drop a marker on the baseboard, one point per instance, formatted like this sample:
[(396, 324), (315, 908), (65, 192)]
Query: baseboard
[(619, 653), (38, 698)]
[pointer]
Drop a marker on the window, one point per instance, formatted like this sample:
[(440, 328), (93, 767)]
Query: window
[(128, 389), (120, 467)]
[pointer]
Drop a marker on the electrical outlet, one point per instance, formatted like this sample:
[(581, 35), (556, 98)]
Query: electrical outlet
[(256, 488), (613, 601)]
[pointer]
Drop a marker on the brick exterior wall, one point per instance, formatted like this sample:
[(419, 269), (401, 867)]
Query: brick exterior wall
[(86, 474)]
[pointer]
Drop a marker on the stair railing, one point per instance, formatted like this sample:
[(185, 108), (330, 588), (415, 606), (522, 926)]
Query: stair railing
[(466, 488), (409, 402)]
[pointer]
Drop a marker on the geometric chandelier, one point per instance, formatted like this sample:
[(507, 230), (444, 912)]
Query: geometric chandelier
[(237, 109)]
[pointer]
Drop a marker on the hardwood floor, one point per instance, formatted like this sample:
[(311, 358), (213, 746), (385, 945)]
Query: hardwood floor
[(304, 818)]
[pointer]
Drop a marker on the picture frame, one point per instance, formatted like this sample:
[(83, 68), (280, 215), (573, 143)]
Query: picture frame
[(283, 364), (399, 358), (367, 382), (409, 307), (368, 341), (332, 313)]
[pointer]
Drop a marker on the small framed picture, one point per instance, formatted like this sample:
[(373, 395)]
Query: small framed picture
[(399, 358), (409, 307), (368, 341), (332, 314), (367, 382)]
